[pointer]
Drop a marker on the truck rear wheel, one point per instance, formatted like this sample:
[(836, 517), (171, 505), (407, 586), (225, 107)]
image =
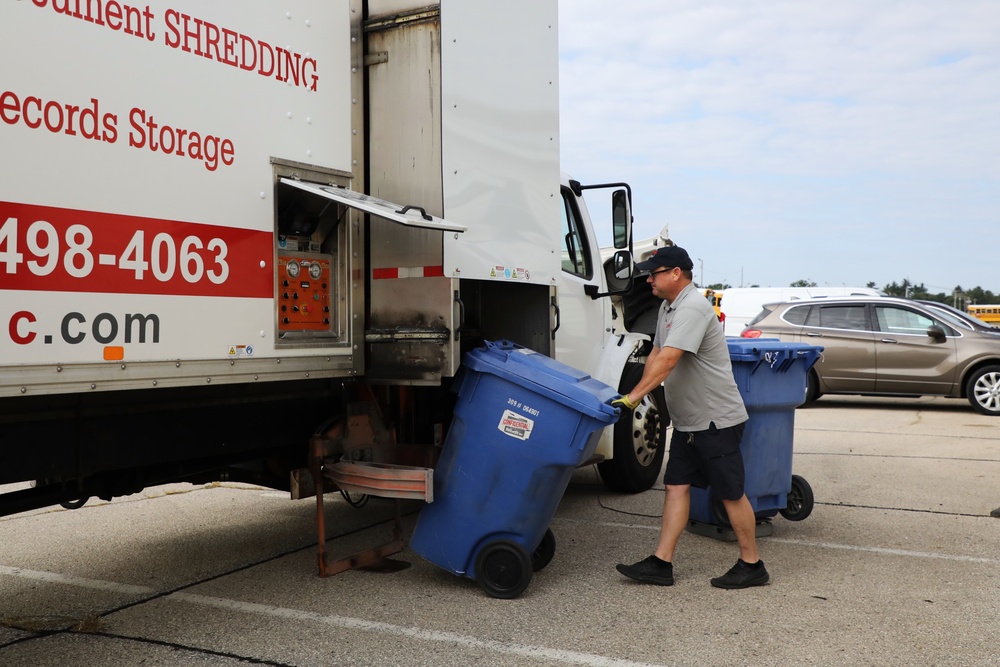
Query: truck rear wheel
[(640, 442)]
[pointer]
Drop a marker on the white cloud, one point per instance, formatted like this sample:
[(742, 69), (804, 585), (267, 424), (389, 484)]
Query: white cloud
[(834, 125)]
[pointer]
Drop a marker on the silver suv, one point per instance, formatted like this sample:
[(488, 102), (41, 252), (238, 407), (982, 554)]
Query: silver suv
[(888, 346)]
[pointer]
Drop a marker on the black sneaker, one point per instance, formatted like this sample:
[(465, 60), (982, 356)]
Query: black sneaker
[(743, 575), (651, 570)]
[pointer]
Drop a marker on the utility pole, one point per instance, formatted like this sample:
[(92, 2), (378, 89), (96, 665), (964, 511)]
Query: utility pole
[(702, 263)]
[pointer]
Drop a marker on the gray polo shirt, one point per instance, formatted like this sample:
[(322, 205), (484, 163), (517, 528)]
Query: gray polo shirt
[(701, 388)]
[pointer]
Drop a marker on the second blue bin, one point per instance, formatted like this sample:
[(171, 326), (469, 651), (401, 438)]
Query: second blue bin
[(771, 376)]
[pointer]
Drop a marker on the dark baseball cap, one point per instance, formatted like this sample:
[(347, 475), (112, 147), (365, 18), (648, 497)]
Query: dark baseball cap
[(667, 257)]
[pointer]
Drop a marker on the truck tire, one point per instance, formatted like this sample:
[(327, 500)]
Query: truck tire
[(640, 442)]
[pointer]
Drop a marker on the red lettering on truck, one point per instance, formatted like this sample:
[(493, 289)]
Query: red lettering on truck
[(59, 117), (208, 149), (107, 13), (15, 327), (207, 40)]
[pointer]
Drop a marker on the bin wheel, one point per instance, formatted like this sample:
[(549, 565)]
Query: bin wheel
[(719, 514), (543, 553), (800, 500), (503, 569)]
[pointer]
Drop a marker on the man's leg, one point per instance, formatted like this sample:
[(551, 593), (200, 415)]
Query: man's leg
[(749, 569), (676, 508), (744, 524), (658, 568)]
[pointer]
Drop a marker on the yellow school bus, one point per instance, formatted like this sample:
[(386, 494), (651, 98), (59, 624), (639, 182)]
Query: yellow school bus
[(986, 312), (715, 298)]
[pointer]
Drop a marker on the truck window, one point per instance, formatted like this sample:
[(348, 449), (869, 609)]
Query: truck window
[(575, 253)]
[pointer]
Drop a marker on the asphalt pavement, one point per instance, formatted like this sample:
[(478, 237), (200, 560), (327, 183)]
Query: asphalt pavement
[(899, 564)]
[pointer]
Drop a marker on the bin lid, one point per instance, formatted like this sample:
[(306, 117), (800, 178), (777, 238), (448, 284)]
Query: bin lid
[(753, 349), (546, 376)]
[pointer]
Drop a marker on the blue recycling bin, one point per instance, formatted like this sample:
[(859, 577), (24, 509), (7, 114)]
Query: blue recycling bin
[(771, 376), (523, 422)]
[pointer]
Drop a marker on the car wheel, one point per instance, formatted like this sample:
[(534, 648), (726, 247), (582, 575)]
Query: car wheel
[(983, 390), (812, 387), (639, 442)]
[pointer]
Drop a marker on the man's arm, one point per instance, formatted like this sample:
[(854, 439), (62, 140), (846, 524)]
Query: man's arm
[(659, 364)]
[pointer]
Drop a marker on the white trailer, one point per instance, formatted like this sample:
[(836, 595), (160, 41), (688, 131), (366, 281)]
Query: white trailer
[(201, 260)]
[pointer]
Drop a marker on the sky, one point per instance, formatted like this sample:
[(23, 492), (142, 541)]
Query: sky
[(840, 142)]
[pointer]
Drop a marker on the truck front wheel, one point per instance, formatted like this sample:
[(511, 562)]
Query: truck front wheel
[(640, 442)]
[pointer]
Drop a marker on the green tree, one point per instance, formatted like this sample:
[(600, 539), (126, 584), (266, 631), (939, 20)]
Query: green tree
[(958, 296), (803, 283)]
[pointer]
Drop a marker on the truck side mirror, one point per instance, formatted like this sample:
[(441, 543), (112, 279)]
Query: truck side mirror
[(621, 218)]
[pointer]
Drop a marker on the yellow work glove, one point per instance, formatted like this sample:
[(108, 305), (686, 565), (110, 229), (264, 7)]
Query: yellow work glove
[(623, 402)]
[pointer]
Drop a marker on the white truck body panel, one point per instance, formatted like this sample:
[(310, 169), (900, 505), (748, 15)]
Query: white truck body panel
[(89, 196)]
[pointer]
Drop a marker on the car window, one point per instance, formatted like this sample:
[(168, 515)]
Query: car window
[(768, 309), (902, 321), (845, 316), (951, 318), (955, 317), (905, 321), (797, 315)]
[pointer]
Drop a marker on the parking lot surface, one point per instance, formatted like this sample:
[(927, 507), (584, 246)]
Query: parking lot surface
[(899, 564)]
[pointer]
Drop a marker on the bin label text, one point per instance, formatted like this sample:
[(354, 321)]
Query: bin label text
[(515, 425)]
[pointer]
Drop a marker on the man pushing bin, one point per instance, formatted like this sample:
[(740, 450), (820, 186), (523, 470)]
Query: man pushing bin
[(691, 359)]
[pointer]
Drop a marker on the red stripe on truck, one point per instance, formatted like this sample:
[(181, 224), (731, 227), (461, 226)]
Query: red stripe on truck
[(408, 272), (49, 249)]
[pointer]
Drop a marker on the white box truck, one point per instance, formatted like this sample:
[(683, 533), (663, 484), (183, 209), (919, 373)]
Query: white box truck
[(201, 264)]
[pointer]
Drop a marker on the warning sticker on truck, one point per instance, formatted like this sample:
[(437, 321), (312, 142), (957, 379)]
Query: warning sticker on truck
[(515, 425)]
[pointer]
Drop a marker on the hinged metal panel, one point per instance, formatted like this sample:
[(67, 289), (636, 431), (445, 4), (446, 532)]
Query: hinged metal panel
[(409, 215)]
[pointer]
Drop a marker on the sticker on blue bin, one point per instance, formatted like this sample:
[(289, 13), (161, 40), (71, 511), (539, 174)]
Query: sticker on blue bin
[(515, 425)]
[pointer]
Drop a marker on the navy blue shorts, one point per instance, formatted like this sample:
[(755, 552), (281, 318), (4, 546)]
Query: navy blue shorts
[(709, 457)]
